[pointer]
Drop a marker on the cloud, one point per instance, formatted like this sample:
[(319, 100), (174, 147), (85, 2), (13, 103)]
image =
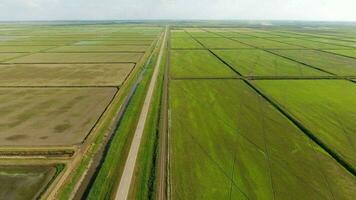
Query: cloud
[(178, 9)]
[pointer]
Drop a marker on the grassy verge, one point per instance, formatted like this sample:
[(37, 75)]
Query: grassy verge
[(109, 175), (59, 169), (144, 182)]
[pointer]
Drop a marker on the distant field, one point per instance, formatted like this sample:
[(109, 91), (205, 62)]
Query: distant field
[(350, 53), (24, 182), (114, 42), (202, 33), (64, 74), (6, 56), (261, 63), (185, 43), (326, 108), (24, 115), (287, 34), (341, 42), (197, 63), (21, 49), (179, 33), (74, 49), (223, 43), (227, 32), (263, 34), (78, 58), (115, 39), (335, 64), (36, 43), (266, 44), (305, 42), (229, 143)]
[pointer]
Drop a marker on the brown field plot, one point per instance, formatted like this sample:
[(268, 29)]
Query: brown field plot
[(50, 117), (24, 182), (64, 74), (78, 58)]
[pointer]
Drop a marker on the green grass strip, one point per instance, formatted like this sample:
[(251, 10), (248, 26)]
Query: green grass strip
[(109, 175), (144, 183)]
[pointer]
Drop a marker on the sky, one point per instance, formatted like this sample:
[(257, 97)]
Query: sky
[(320, 10)]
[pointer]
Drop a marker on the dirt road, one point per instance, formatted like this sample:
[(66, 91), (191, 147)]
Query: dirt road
[(126, 178)]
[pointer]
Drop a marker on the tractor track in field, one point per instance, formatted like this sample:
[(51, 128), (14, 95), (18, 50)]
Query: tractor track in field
[(336, 156), (129, 168)]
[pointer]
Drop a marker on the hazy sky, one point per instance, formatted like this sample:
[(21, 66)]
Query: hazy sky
[(178, 9)]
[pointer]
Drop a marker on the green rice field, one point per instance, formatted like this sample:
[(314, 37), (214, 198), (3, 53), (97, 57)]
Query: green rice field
[(349, 53), (326, 108), (332, 63), (282, 127), (220, 42), (310, 44), (197, 63), (230, 143), (262, 63)]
